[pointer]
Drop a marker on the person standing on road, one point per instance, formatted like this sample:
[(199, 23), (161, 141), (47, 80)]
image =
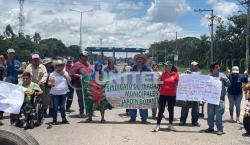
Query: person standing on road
[(155, 68), (140, 66), (195, 105), (168, 89), (217, 110), (39, 76), (96, 100), (235, 92), (2, 77), (70, 94), (13, 69), (82, 66), (50, 68), (58, 81)]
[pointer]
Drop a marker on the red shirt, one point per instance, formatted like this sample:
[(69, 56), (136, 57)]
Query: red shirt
[(169, 86)]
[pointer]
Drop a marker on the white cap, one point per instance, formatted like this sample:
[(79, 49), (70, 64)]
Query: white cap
[(11, 50), (194, 63), (235, 69), (84, 53)]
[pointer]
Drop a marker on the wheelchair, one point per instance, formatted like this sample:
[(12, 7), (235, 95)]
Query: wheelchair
[(33, 112)]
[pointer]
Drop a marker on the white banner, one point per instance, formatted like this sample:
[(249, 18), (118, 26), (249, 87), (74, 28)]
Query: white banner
[(196, 87), (133, 90), (11, 97)]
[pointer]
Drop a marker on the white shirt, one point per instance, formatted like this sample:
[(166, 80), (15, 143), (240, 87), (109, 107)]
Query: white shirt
[(61, 84)]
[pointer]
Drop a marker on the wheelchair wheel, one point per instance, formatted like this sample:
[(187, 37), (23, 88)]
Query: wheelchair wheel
[(39, 114)]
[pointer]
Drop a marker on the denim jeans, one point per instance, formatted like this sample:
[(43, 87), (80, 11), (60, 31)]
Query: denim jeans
[(70, 95), (58, 101), (79, 94), (162, 103), (215, 111), (143, 114), (234, 100), (194, 113)]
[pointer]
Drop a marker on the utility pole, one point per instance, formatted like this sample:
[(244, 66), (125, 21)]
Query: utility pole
[(21, 17), (81, 14), (176, 49), (212, 31), (247, 2)]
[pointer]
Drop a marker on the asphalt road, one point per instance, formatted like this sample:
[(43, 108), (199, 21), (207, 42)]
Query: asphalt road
[(117, 131)]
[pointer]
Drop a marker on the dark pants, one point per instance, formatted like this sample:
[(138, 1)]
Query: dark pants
[(58, 101), (194, 113), (79, 94), (70, 95), (162, 104)]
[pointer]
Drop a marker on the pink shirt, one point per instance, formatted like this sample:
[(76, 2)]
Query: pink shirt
[(77, 68)]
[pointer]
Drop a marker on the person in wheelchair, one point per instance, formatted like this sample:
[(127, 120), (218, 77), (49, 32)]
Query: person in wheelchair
[(33, 90)]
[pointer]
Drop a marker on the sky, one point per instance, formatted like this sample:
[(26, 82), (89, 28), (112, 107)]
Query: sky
[(119, 23)]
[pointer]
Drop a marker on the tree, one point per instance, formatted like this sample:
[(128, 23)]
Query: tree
[(8, 33), (37, 38)]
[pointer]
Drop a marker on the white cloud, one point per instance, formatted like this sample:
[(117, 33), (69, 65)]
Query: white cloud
[(50, 21), (222, 9), (167, 10)]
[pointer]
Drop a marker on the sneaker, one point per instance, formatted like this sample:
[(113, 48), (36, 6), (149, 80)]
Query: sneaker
[(171, 127), (219, 132), (182, 123), (131, 120), (209, 130), (103, 121), (157, 128), (88, 120), (196, 124), (81, 116), (144, 122), (54, 123), (65, 121)]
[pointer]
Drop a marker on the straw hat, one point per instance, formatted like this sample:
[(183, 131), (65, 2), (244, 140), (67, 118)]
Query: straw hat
[(47, 60), (59, 62), (142, 56)]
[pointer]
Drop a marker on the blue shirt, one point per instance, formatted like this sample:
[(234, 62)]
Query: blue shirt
[(236, 84), (12, 71)]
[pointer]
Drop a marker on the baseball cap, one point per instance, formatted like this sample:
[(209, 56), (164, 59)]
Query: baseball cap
[(84, 53), (35, 56), (194, 63), (11, 50), (235, 69)]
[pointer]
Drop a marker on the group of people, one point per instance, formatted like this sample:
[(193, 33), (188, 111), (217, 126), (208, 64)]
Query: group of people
[(55, 81)]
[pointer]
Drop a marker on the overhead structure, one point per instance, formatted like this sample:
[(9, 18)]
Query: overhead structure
[(115, 49)]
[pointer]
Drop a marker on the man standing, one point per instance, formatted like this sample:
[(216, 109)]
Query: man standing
[(195, 105), (70, 94), (140, 66), (13, 67), (82, 66), (39, 76), (217, 110)]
